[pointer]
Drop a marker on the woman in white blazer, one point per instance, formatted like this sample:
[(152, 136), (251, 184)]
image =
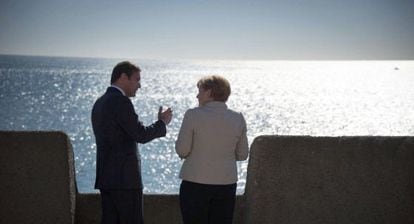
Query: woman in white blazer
[(211, 139)]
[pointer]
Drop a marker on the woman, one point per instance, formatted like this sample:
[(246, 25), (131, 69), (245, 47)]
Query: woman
[(211, 139)]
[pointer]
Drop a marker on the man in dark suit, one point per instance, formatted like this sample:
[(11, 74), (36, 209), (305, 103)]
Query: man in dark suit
[(117, 131)]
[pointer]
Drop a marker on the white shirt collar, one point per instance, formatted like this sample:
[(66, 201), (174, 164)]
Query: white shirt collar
[(116, 87)]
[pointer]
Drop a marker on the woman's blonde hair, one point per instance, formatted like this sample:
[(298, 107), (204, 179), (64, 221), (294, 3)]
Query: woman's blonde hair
[(219, 86)]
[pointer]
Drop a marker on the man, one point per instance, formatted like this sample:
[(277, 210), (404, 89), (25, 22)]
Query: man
[(117, 131)]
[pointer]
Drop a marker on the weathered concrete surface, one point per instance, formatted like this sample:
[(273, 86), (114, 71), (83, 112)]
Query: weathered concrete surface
[(299, 179), (291, 179), (37, 178), (158, 209)]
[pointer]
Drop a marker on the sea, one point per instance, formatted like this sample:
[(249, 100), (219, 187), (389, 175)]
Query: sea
[(315, 98)]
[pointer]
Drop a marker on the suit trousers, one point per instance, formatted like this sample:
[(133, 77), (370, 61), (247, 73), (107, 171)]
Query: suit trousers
[(122, 207), (206, 203)]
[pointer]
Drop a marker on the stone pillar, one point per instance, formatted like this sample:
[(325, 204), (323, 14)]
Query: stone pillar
[(37, 178)]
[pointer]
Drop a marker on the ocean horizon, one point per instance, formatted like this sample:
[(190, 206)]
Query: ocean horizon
[(316, 98)]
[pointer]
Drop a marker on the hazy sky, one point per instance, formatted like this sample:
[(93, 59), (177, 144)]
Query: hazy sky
[(210, 29)]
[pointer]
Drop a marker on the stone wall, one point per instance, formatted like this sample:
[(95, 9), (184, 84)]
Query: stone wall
[(291, 179), (299, 179), (158, 209), (37, 178)]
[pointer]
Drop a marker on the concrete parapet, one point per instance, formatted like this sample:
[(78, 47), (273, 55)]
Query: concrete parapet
[(299, 179), (38, 185), (291, 179), (37, 178), (158, 209)]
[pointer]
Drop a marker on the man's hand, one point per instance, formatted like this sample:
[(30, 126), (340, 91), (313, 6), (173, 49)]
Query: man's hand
[(165, 116)]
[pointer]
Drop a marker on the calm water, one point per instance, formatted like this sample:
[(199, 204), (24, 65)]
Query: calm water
[(330, 98)]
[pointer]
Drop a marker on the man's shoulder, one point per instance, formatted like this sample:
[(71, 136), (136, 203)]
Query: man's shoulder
[(116, 96), (113, 100)]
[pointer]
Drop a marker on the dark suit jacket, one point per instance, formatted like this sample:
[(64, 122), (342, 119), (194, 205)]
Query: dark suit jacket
[(117, 131)]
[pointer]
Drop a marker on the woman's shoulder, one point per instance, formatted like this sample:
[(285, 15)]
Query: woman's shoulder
[(234, 113), (191, 111), (197, 112)]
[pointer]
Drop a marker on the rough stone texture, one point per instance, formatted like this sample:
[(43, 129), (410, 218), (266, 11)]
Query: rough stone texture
[(291, 179), (37, 178), (300, 179), (158, 209), (162, 209)]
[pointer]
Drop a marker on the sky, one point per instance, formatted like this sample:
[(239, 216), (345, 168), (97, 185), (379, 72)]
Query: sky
[(210, 29)]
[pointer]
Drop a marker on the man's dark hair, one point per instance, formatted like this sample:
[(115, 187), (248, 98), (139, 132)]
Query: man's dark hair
[(123, 67)]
